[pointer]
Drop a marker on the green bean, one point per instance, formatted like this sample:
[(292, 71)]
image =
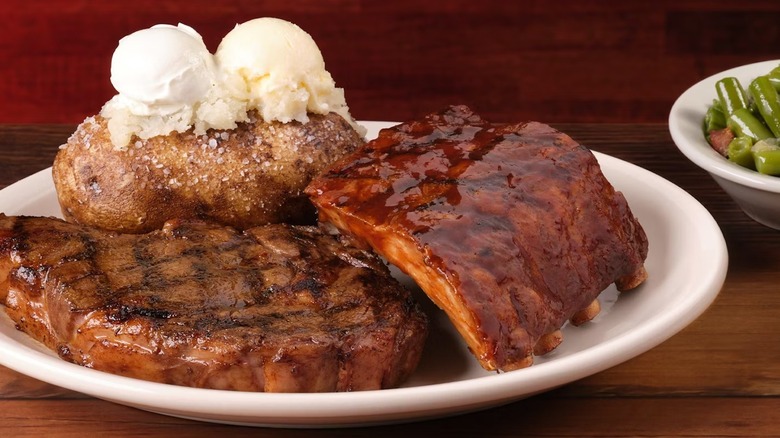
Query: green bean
[(744, 124), (716, 103), (714, 119), (752, 119), (731, 95), (774, 77), (739, 152), (766, 157), (768, 103)]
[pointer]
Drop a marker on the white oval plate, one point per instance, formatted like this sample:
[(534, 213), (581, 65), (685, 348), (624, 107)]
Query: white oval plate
[(687, 264)]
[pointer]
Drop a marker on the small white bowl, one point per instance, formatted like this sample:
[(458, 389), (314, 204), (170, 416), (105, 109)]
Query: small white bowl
[(758, 195)]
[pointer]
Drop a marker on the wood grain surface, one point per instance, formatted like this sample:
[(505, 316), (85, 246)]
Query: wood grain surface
[(719, 377), (562, 61)]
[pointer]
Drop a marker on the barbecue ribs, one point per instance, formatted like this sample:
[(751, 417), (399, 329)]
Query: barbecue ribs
[(512, 230)]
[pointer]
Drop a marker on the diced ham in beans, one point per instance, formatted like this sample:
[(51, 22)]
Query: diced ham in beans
[(720, 139)]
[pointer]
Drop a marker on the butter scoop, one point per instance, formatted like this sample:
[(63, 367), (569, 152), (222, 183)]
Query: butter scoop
[(167, 80), (277, 68), (163, 66)]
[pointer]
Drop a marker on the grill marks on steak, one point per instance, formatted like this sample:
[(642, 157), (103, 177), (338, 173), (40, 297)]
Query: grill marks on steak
[(512, 229), (276, 308)]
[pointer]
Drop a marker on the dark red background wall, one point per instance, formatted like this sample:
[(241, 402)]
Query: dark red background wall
[(563, 61)]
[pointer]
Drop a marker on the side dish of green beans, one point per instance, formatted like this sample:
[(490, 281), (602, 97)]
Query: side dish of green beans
[(743, 124)]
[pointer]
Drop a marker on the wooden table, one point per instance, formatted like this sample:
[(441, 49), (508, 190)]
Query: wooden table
[(718, 377)]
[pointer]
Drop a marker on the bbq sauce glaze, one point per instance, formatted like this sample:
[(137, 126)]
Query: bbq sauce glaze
[(518, 219)]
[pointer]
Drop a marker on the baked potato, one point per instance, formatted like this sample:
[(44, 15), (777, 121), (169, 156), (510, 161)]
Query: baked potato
[(244, 177)]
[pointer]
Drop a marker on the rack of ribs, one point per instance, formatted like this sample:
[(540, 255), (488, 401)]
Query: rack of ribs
[(512, 230), (277, 308)]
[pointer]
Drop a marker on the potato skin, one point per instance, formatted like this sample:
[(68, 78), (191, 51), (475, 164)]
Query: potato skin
[(252, 175)]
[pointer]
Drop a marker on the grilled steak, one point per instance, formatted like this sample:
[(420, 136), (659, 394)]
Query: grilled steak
[(276, 308), (512, 229)]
